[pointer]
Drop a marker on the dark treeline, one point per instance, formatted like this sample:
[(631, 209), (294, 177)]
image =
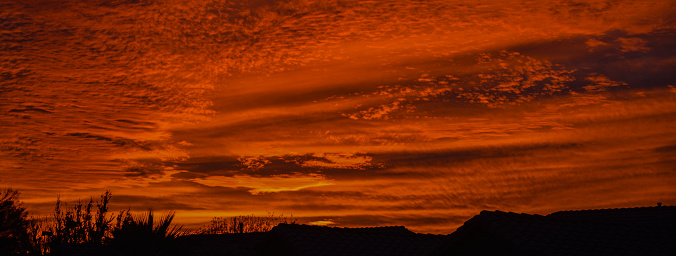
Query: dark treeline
[(89, 227)]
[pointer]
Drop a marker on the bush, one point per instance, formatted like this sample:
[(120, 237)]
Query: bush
[(83, 229), (245, 224), (140, 236), (77, 225), (14, 224)]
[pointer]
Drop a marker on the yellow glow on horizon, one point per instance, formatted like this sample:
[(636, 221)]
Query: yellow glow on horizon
[(262, 185)]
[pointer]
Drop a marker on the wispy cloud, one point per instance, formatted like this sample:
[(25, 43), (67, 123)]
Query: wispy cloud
[(258, 185)]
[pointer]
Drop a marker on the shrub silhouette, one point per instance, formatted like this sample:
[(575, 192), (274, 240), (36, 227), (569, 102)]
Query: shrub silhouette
[(86, 228), (245, 224), (139, 234), (83, 228), (14, 224), (78, 224)]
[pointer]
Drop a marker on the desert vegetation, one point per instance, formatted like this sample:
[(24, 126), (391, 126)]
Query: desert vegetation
[(89, 228), (78, 224), (86, 226), (245, 224)]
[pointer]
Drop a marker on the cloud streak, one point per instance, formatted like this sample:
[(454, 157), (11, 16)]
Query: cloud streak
[(348, 113)]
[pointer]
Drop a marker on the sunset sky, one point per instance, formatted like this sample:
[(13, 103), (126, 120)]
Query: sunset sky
[(356, 113)]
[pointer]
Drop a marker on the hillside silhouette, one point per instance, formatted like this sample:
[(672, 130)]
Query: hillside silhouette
[(86, 228)]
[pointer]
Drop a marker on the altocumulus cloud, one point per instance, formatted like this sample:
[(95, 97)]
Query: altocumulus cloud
[(368, 112)]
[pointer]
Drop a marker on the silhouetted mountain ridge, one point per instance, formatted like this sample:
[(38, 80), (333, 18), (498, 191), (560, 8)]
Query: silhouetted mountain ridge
[(622, 231)]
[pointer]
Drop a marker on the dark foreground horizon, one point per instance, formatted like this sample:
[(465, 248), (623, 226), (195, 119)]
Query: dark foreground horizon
[(616, 232)]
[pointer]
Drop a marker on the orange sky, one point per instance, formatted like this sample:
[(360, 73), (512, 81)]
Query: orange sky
[(362, 113)]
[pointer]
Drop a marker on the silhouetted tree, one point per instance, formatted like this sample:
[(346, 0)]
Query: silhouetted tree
[(14, 224)]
